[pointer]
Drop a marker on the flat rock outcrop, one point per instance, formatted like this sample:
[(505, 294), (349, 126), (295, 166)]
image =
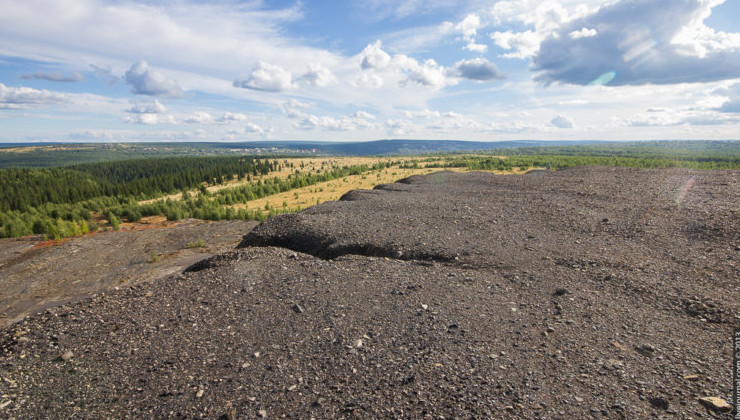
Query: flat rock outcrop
[(33, 277), (583, 293)]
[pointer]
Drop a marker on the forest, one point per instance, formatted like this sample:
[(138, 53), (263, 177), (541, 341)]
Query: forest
[(62, 202)]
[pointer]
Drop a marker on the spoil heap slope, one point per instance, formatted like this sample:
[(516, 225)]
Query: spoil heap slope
[(585, 293)]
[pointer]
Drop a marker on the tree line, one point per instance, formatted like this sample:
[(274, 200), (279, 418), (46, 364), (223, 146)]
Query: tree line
[(21, 189)]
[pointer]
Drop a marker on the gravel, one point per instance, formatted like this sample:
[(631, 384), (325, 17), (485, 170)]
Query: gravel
[(34, 278), (583, 293)]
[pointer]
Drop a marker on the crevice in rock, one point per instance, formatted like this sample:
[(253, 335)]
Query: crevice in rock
[(328, 249)]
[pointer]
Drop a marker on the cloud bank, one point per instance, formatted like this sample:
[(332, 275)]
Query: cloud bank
[(639, 42), (426, 73)]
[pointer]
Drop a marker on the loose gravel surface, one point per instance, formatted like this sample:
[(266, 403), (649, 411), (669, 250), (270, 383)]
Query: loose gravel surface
[(34, 277), (584, 293)]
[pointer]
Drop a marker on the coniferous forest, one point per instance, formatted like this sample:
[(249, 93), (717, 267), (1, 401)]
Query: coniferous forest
[(61, 202)]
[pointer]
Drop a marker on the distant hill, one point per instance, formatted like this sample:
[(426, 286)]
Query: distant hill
[(416, 147), (30, 155), (401, 147)]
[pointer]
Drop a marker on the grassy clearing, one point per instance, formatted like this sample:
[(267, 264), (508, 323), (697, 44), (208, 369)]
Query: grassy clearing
[(289, 167), (302, 198)]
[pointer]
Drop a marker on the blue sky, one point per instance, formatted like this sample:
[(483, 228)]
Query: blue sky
[(229, 70)]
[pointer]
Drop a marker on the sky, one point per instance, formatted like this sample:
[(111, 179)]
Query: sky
[(321, 70)]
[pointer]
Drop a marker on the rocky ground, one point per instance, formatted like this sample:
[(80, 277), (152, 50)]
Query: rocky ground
[(584, 293), (35, 275)]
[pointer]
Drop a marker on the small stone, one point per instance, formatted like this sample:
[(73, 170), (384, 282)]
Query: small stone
[(230, 412), (715, 404), (297, 309), (292, 387), (199, 394), (691, 377), (262, 413), (256, 355), (646, 350), (424, 307), (613, 364), (66, 356), (358, 343), (560, 291)]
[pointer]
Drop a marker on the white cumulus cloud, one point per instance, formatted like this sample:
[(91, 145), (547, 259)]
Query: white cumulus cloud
[(731, 101), (268, 78), (427, 73), (363, 115), (358, 120), (524, 44), (148, 113), (373, 57), (147, 81), (318, 75), (199, 117), (327, 122), (468, 30), (25, 97), (149, 119), (468, 27), (294, 108), (229, 117), (254, 128), (562, 121), (478, 48), (373, 81), (478, 69), (583, 33), (149, 107)]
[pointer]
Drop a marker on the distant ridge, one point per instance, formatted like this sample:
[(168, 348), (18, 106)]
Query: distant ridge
[(414, 147), (365, 148), (392, 147)]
